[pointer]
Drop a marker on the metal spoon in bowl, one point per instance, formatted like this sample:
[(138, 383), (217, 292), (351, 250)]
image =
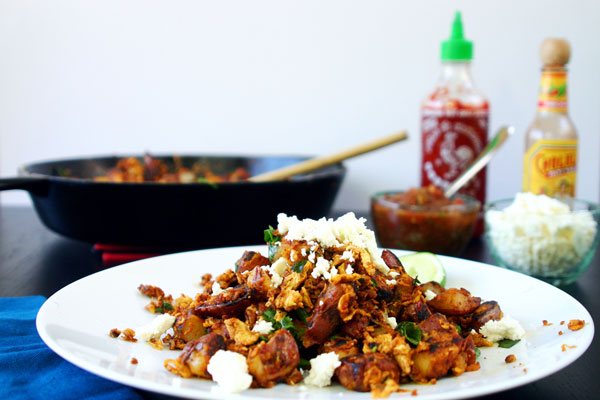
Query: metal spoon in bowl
[(481, 161)]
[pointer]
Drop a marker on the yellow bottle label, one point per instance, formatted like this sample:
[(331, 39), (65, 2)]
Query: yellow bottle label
[(553, 91), (551, 168)]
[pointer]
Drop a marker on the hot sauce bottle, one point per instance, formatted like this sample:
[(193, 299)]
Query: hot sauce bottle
[(550, 160), (454, 120)]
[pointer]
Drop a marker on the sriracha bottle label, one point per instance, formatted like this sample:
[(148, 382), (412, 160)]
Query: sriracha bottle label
[(452, 139)]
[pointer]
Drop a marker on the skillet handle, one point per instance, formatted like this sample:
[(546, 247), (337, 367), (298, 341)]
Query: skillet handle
[(31, 184)]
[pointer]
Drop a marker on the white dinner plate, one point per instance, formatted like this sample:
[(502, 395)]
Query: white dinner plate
[(76, 320)]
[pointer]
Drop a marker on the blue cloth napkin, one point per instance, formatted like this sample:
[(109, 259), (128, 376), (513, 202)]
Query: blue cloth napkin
[(30, 370)]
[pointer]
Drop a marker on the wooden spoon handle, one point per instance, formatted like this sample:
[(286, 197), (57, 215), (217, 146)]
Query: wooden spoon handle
[(323, 161)]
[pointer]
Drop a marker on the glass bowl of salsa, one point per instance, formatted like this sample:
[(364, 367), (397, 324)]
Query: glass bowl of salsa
[(423, 219)]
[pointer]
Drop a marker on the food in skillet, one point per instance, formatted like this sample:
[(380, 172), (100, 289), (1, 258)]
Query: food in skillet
[(131, 169), (323, 305)]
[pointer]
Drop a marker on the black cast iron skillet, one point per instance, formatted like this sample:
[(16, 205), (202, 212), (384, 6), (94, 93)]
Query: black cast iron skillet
[(176, 215)]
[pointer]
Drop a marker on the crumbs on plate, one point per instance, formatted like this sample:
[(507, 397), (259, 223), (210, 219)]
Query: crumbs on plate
[(576, 324), (128, 335), (565, 346), (114, 333)]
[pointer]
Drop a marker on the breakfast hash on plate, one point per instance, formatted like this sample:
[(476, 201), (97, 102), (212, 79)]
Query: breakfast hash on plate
[(323, 304)]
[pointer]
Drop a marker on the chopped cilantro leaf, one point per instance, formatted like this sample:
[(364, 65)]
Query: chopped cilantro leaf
[(477, 352), (285, 323), (301, 314), (374, 283), (204, 180), (458, 329), (165, 307), (507, 343), (304, 364), (269, 316), (263, 338), (411, 331), (299, 266), (270, 237), (272, 251)]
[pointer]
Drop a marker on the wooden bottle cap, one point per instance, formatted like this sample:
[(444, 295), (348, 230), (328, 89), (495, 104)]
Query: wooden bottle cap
[(555, 51)]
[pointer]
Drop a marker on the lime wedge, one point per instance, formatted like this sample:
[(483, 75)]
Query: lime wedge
[(426, 266)]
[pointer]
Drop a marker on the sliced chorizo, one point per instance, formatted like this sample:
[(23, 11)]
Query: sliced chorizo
[(454, 302), (362, 372), (326, 317), (231, 302), (197, 353), (272, 361)]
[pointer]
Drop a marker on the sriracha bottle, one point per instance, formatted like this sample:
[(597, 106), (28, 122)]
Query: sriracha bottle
[(454, 121)]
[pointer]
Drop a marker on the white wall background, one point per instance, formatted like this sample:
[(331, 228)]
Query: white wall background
[(82, 78)]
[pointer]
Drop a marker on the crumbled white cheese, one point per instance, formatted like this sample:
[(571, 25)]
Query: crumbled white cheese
[(230, 371), (506, 328), (156, 328), (216, 289), (394, 274), (347, 229), (263, 327), (311, 257), (332, 272), (303, 252), (392, 322), (429, 294), (293, 256), (321, 268), (277, 269), (321, 369), (349, 269), (276, 280), (348, 256), (324, 268), (390, 281), (540, 235)]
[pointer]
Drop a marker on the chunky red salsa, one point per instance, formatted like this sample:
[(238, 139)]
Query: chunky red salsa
[(429, 197), (423, 219)]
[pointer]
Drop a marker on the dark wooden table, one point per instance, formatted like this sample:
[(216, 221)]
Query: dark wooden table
[(36, 261)]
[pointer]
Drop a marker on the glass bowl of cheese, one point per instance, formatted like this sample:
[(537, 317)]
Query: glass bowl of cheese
[(543, 237)]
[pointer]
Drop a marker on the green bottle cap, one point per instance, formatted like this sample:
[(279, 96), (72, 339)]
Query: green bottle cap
[(457, 47)]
